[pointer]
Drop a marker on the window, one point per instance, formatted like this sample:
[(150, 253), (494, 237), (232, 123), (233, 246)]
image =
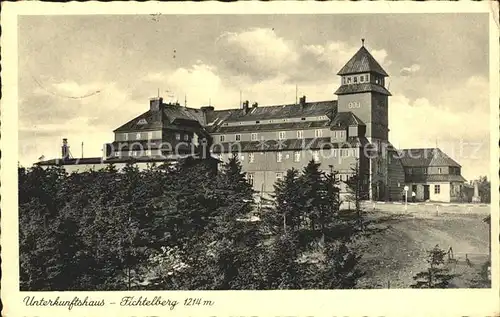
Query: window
[(125, 136), (348, 80), (257, 121), (250, 178), (367, 78), (138, 136), (142, 121), (437, 189), (279, 157), (296, 156), (410, 171), (300, 134), (150, 135), (425, 170), (222, 138), (344, 152), (439, 170), (251, 157), (270, 121), (279, 176), (281, 135), (334, 152), (362, 78), (177, 136), (242, 157), (254, 136), (117, 154), (355, 79), (355, 152), (342, 134), (186, 137), (237, 137), (315, 155), (303, 119), (318, 133)]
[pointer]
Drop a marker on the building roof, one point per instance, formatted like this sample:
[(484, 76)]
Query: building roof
[(362, 62), (426, 157), (114, 160), (309, 109), (431, 178), (345, 119), (171, 114), (361, 87)]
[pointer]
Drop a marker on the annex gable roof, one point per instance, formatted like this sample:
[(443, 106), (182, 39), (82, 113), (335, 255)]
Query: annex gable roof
[(425, 157)]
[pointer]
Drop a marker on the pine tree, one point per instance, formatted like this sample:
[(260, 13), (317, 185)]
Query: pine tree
[(340, 267), (289, 204), (314, 192), (437, 275)]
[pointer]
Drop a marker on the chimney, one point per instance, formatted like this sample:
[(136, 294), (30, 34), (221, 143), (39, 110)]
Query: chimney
[(155, 104), (246, 107), (207, 110), (255, 105), (302, 101), (65, 149)]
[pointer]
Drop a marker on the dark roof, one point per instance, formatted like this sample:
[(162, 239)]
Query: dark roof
[(361, 87), (100, 160), (345, 119), (422, 178), (283, 145), (171, 114), (426, 157), (362, 62), (309, 109), (272, 126)]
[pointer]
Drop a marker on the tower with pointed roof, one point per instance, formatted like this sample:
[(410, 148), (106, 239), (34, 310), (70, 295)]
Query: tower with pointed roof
[(362, 91)]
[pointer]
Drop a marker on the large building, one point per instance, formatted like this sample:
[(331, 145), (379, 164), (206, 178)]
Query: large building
[(339, 134)]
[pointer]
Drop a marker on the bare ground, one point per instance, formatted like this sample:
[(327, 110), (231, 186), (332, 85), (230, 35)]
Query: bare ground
[(397, 249)]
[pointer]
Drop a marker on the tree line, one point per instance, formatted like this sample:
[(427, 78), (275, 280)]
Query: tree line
[(185, 227)]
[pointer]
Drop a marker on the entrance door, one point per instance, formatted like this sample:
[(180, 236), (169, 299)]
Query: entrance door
[(426, 192)]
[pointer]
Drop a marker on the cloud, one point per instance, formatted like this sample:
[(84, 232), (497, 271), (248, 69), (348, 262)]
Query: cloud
[(257, 52), (406, 71), (464, 135)]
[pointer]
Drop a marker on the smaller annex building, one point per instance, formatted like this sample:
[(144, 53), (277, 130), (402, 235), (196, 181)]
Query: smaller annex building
[(432, 175)]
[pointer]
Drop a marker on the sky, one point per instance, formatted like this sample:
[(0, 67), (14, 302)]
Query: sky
[(81, 77)]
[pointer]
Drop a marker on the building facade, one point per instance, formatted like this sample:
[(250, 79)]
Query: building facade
[(269, 140)]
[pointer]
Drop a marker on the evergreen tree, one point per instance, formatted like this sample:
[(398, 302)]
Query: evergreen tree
[(313, 187), (340, 267), (437, 275), (288, 202)]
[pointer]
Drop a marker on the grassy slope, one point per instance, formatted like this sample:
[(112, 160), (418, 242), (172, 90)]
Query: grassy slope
[(399, 251)]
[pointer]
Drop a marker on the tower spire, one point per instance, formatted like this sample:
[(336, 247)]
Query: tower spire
[(362, 42)]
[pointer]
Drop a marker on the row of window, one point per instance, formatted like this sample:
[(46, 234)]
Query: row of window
[(282, 135), (424, 171), (138, 136), (279, 176), (361, 79), (297, 155), (277, 120), (354, 79)]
